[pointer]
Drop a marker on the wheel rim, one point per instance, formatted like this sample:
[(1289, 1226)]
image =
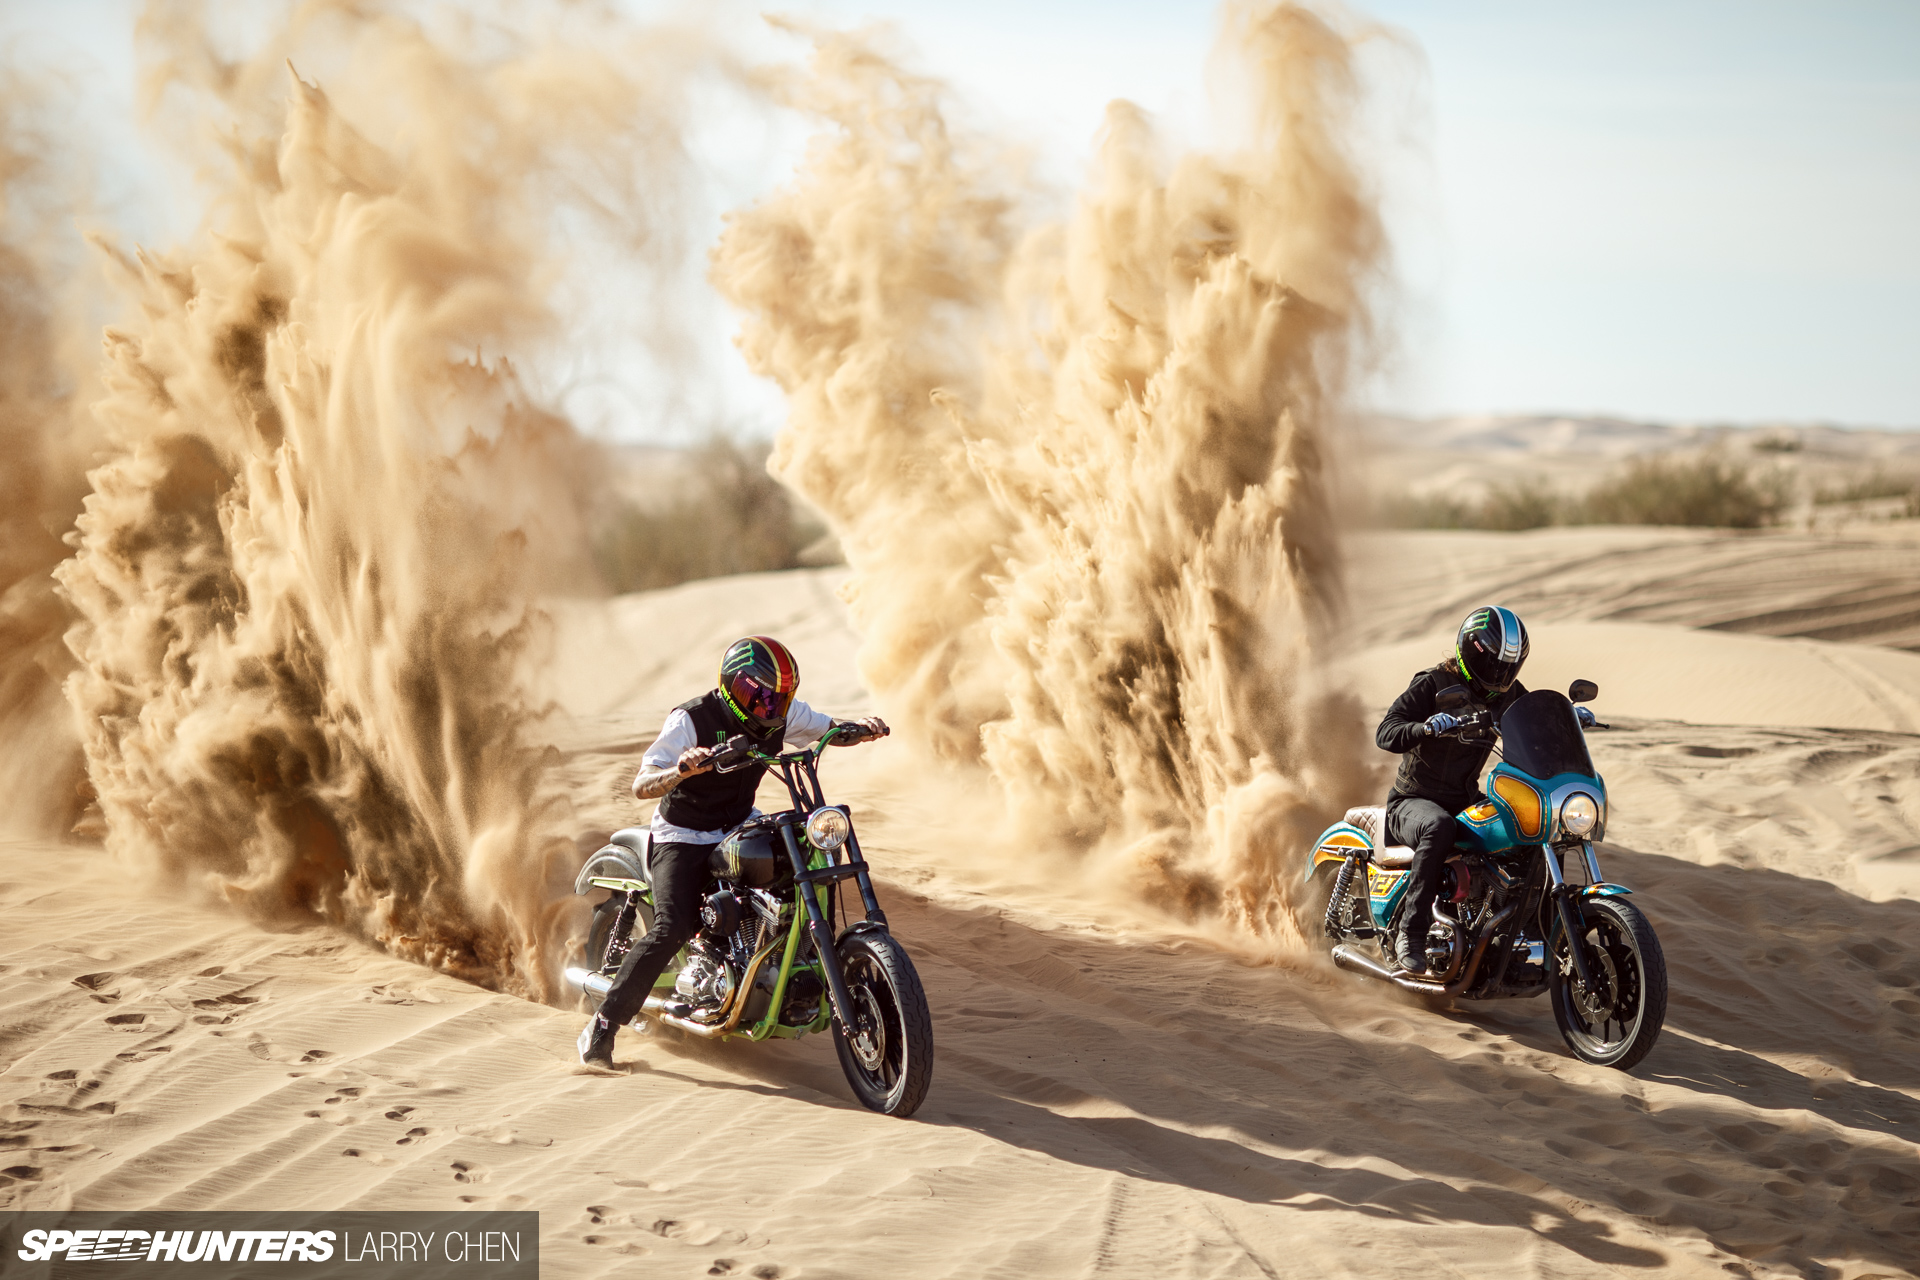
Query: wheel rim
[(1605, 1017), (876, 1039)]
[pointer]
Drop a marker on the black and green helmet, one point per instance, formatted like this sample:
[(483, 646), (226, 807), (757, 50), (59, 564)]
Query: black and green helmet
[(1490, 649)]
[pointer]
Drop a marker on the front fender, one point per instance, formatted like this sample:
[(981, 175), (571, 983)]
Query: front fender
[(1605, 890)]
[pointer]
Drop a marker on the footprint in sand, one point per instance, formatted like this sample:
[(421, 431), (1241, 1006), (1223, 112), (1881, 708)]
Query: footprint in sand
[(412, 1135), (371, 1157), (464, 1171)]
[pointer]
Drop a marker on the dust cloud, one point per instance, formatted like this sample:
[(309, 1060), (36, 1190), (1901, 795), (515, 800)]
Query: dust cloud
[(330, 492), (1080, 469), (43, 443)]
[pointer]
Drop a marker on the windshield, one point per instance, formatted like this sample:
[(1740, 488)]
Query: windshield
[(1540, 736)]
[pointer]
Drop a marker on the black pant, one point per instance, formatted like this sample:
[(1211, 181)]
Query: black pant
[(1426, 828), (679, 872)]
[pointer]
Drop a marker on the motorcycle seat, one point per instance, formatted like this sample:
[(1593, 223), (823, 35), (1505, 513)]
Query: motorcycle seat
[(1372, 819)]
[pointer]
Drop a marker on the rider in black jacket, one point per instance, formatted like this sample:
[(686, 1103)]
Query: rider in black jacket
[(1439, 773), (754, 698)]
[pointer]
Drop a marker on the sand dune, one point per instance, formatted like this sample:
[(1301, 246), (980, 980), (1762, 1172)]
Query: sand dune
[(1108, 1099)]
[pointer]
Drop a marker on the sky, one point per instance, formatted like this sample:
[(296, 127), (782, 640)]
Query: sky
[(1696, 211)]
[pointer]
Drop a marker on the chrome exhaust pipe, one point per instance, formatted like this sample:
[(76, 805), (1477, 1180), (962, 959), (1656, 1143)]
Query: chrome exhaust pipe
[(661, 1008), (594, 984), (1347, 958)]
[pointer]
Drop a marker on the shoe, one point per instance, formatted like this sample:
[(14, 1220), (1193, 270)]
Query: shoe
[(1411, 959), (596, 1043)]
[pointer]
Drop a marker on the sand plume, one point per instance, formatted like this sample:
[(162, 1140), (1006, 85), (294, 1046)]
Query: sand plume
[(306, 568), (1079, 469), (43, 448)]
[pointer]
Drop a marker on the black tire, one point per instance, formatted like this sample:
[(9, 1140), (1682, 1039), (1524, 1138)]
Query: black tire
[(1614, 1027), (892, 1065)]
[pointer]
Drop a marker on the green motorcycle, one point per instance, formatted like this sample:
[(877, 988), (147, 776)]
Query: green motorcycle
[(771, 959)]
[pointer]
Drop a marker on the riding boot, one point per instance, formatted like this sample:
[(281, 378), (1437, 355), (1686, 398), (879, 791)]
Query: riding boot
[(596, 1042), (1410, 953)]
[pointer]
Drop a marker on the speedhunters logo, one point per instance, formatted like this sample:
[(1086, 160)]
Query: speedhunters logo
[(368, 1246)]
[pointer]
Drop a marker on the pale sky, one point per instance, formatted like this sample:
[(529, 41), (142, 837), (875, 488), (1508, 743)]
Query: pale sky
[(1701, 210)]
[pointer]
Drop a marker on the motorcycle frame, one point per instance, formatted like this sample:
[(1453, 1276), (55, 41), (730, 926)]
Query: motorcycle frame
[(812, 867)]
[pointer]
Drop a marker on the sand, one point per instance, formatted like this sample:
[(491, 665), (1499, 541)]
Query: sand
[(1110, 1097)]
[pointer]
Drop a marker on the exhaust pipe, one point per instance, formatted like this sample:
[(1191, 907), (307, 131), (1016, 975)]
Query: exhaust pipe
[(662, 1009), (1347, 958)]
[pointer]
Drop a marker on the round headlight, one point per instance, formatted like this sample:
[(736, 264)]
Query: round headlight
[(828, 829), (1578, 814)]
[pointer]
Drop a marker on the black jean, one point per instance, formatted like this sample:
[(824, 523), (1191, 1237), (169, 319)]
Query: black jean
[(1428, 829), (679, 872)]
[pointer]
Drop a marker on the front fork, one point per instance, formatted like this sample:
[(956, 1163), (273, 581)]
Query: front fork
[(1563, 901), (854, 868)]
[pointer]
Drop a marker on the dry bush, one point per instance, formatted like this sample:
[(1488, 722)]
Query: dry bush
[(722, 514), (1708, 490)]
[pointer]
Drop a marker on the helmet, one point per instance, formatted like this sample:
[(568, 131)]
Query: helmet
[(757, 679), (1491, 646)]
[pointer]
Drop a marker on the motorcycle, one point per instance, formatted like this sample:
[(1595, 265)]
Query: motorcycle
[(1507, 920), (767, 962)]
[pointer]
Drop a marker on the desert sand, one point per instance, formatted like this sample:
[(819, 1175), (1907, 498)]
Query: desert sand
[(1111, 1096)]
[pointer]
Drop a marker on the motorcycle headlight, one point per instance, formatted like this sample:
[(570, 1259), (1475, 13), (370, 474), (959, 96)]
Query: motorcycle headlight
[(1579, 814), (828, 829)]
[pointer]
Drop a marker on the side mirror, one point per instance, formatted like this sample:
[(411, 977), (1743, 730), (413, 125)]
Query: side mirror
[(1582, 691), (1452, 698)]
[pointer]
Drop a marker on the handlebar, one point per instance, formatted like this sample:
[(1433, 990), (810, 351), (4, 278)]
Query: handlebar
[(737, 753)]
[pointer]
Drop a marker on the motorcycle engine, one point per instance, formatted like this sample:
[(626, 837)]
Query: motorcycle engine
[(705, 982)]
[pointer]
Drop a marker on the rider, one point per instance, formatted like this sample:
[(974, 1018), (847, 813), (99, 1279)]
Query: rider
[(1439, 776), (754, 697)]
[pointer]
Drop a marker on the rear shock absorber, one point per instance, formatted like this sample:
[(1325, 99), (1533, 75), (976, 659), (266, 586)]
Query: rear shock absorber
[(1337, 904)]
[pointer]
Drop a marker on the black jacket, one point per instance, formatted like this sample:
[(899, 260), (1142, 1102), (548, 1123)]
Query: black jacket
[(1443, 770)]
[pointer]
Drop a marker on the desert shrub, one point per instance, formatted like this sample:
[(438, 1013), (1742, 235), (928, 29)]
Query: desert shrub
[(724, 515), (1875, 484), (1705, 490), (1520, 505)]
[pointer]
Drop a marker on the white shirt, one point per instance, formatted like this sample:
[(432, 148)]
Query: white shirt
[(804, 726)]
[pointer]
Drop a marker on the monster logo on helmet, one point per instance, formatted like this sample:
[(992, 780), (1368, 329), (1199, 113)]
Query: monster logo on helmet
[(1490, 649), (757, 679)]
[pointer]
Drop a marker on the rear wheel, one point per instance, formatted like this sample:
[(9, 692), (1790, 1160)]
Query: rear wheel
[(1615, 1023), (888, 1052)]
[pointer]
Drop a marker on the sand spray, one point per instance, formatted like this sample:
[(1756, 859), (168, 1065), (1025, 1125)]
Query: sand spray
[(1080, 468), (305, 579)]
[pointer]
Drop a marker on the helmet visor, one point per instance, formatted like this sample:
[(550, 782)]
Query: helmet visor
[(762, 703)]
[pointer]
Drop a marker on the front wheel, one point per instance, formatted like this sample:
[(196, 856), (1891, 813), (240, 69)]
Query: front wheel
[(1615, 1023), (888, 1052)]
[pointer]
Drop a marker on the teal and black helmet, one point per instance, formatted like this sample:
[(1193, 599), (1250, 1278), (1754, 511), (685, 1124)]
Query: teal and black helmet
[(1490, 649)]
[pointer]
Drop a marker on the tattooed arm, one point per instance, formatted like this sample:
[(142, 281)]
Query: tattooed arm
[(674, 756), (651, 783)]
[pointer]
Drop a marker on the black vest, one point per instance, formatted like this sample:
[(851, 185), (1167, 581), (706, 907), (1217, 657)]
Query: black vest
[(718, 801)]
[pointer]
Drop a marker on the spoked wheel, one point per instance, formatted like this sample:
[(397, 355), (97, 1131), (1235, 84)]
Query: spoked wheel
[(1615, 1023), (888, 1052)]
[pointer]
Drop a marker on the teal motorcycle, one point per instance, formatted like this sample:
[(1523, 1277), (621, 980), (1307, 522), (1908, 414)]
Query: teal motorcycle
[(1522, 908), (772, 959)]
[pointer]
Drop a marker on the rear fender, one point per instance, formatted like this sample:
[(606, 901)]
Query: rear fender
[(613, 861), (1336, 844)]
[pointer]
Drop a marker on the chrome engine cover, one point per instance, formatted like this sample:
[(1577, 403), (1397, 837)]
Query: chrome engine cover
[(705, 981)]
